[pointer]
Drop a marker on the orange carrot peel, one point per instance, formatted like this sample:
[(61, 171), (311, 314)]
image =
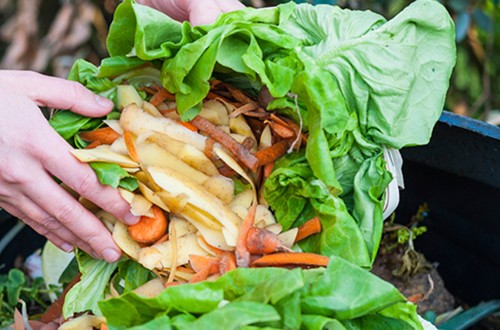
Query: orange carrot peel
[(263, 241), (292, 259), (242, 254), (105, 135), (309, 228), (161, 96)]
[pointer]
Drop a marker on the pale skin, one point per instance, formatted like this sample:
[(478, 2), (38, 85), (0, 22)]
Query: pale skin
[(32, 153)]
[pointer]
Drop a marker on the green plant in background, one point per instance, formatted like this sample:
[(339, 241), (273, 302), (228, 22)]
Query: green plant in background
[(400, 238), (15, 287), (475, 88)]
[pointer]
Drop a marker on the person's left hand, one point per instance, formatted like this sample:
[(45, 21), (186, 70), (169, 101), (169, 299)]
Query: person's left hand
[(197, 12)]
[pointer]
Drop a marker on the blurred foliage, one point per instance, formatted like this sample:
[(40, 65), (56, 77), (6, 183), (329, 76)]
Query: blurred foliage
[(48, 35)]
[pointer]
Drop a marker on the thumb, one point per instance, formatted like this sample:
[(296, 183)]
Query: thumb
[(62, 94)]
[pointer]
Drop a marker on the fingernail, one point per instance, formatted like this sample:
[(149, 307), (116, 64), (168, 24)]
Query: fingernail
[(131, 219), (67, 247), (103, 102), (111, 255)]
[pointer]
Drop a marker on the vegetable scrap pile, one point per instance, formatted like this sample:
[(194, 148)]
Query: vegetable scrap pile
[(252, 149)]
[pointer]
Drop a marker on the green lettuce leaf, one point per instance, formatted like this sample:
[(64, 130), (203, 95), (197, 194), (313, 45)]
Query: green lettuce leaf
[(292, 188), (113, 175), (233, 316), (342, 296), (67, 124), (87, 293)]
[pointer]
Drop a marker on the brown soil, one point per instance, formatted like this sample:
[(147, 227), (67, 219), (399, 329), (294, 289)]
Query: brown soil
[(414, 277)]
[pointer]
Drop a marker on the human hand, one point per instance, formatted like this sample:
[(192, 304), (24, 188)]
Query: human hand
[(197, 12), (31, 152)]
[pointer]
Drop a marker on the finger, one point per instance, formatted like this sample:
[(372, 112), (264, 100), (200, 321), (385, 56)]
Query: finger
[(45, 225), (201, 15), (83, 180), (229, 5), (60, 93), (208, 13), (58, 241), (60, 205)]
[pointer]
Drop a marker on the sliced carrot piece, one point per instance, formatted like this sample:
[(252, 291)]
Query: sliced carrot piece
[(310, 227), (227, 262), (287, 259), (130, 144), (161, 96), (242, 254), (149, 229), (185, 269), (105, 135), (262, 241), (198, 263), (272, 153), (282, 131), (208, 266), (268, 168), (93, 145), (104, 326)]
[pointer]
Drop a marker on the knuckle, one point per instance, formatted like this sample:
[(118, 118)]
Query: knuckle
[(87, 185), (75, 90), (11, 174), (67, 213), (95, 243), (118, 208), (44, 231), (50, 224)]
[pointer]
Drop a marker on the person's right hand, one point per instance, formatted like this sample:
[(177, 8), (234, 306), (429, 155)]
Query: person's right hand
[(32, 153)]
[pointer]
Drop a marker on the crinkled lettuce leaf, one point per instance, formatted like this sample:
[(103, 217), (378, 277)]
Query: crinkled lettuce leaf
[(271, 298)]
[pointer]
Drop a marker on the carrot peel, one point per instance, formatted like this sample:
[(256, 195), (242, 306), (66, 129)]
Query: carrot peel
[(105, 135), (309, 228), (294, 259), (242, 254), (262, 241)]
